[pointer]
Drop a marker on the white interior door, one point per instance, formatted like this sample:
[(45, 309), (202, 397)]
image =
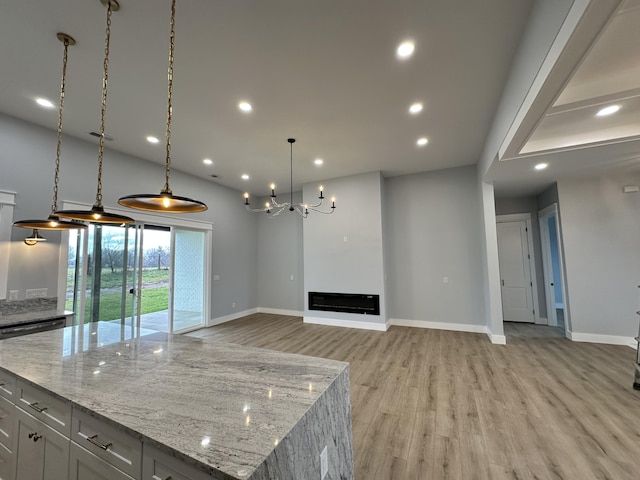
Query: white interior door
[(515, 272)]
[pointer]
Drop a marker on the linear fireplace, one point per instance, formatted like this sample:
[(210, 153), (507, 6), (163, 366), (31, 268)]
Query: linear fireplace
[(345, 302)]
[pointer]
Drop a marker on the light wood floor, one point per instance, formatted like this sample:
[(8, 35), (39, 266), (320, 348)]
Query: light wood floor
[(432, 404)]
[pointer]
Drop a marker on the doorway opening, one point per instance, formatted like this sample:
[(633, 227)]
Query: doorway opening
[(554, 284)]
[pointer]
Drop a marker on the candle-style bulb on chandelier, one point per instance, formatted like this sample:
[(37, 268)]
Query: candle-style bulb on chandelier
[(97, 213), (165, 201), (274, 208), (53, 221)]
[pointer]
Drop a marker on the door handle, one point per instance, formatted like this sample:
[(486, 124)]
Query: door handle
[(503, 282), (551, 284), (132, 291)]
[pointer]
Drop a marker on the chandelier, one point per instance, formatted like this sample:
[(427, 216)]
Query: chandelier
[(274, 208)]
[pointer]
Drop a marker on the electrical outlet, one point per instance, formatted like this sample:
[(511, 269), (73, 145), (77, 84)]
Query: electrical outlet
[(445, 279), (13, 294), (291, 277), (324, 463), (216, 277), (233, 305), (36, 293)]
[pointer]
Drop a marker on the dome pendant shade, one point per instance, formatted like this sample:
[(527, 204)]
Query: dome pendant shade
[(51, 223), (96, 215), (162, 202), (165, 201), (34, 238)]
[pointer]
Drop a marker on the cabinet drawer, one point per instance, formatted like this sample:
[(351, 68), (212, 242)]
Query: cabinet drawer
[(107, 442), (45, 407), (84, 465), (7, 385), (7, 425), (157, 465), (7, 464)]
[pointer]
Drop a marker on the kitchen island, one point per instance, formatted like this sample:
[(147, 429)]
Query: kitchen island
[(224, 410)]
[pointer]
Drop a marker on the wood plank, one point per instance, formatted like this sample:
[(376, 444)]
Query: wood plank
[(434, 404)]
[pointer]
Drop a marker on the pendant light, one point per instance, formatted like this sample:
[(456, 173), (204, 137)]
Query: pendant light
[(53, 222), (97, 213), (165, 201), (35, 238)]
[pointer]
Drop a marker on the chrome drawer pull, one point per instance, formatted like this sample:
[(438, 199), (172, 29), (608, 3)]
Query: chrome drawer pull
[(97, 443), (38, 409), (155, 477)]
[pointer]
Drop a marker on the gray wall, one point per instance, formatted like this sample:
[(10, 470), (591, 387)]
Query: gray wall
[(433, 230), (279, 257), (26, 167), (548, 197), (508, 206), (354, 266), (601, 238)]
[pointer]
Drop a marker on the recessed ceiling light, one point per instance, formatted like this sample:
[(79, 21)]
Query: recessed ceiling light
[(405, 49), (611, 109), (318, 161), (43, 102), (415, 108), (152, 139), (245, 176), (422, 142), (541, 166), (207, 161), (245, 106)]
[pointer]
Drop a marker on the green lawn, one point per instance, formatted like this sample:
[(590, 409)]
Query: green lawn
[(153, 300), (112, 280)]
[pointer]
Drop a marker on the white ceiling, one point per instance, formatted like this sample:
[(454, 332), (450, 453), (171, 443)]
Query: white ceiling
[(323, 72), (569, 136)]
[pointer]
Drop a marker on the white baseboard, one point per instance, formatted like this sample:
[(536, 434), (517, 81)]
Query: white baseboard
[(599, 338), (233, 316), (334, 322), (456, 327), (279, 311), (542, 321), (496, 339)]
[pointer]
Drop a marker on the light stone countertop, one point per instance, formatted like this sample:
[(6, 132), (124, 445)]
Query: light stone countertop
[(220, 406)]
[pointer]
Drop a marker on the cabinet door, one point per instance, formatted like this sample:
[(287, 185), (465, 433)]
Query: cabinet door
[(7, 464), (157, 465), (42, 454), (84, 465)]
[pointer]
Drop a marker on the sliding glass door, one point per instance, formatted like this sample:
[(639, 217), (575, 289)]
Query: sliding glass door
[(142, 276)]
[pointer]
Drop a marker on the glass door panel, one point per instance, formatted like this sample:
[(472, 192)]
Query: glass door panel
[(155, 278), (188, 279)]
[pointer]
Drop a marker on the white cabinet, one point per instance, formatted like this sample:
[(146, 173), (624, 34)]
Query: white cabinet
[(45, 407), (7, 439), (43, 438), (84, 465), (157, 465), (113, 445), (42, 453)]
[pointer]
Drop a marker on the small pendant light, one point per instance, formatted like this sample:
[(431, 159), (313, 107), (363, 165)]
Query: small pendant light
[(97, 213), (53, 222), (34, 238), (165, 201)]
